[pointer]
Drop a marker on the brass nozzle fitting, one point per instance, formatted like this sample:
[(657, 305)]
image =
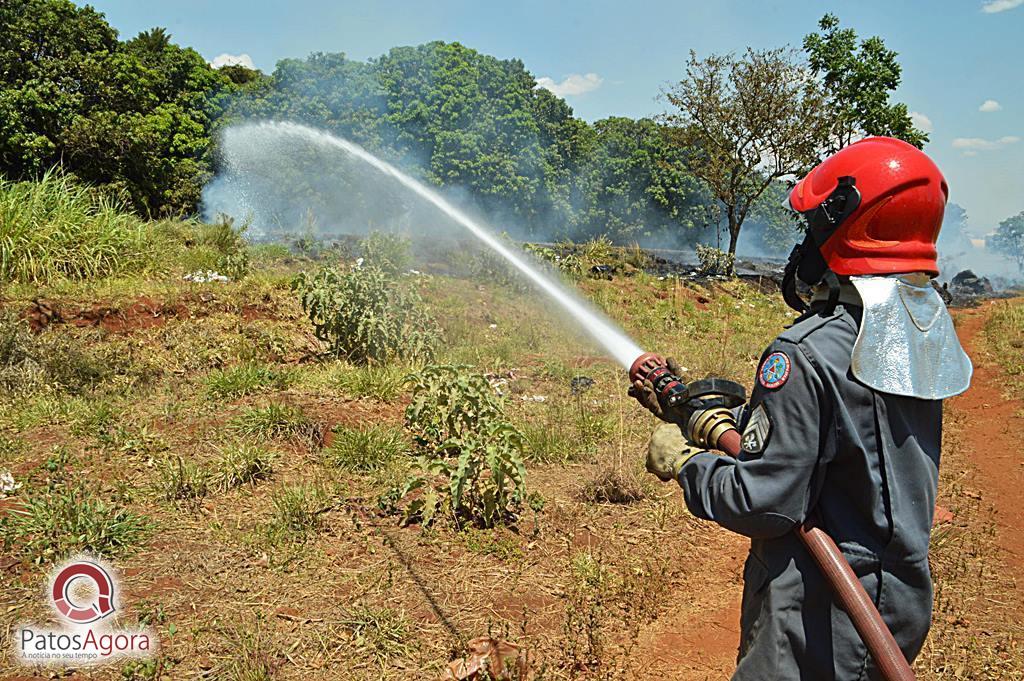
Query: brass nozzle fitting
[(708, 425)]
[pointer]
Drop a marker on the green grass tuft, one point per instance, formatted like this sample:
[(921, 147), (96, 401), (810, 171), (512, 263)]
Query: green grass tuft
[(182, 480), (245, 379), (368, 449), (278, 422), (243, 464), (52, 524)]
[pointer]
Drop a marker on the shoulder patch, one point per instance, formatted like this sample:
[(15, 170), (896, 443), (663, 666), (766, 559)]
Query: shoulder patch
[(774, 371), (759, 428)]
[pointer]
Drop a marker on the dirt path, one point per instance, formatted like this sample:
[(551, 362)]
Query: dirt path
[(992, 435)]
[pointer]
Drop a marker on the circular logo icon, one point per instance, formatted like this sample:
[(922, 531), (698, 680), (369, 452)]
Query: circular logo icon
[(83, 576), (775, 370)]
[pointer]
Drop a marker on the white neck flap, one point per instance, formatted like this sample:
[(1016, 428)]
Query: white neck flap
[(907, 344)]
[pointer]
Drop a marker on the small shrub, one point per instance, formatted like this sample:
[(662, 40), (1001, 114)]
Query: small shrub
[(365, 316), (449, 403), (391, 253), (278, 422), (367, 449), (182, 480), (471, 466), (715, 262), (234, 266), (243, 464), (54, 523), (245, 379)]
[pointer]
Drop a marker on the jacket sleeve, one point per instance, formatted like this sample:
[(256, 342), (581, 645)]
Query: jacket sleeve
[(766, 490)]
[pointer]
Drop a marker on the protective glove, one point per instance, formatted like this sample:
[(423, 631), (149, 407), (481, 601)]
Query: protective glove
[(668, 450), (644, 393)]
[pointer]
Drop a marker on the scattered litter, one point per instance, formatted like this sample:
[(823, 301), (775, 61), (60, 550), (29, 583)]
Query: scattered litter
[(203, 277), (580, 384), (415, 272), (359, 263), (534, 398), (7, 484), (489, 658), (499, 381), (493, 326)]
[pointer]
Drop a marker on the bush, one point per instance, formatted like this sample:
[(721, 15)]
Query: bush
[(56, 229), (715, 262), (471, 466), (390, 253), (450, 404), (365, 316)]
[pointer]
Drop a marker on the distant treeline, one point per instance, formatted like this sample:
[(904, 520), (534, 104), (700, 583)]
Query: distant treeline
[(140, 118)]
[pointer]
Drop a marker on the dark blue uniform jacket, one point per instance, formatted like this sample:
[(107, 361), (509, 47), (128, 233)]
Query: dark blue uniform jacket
[(814, 437)]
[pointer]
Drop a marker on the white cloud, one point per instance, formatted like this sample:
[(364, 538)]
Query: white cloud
[(225, 59), (994, 6), (990, 105), (972, 145), (921, 122), (573, 84)]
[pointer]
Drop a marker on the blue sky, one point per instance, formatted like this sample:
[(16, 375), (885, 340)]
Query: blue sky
[(613, 58)]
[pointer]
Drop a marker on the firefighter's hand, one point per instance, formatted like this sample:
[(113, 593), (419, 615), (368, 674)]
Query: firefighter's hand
[(643, 391), (667, 451)]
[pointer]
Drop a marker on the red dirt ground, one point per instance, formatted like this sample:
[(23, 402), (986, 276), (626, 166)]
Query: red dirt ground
[(992, 433)]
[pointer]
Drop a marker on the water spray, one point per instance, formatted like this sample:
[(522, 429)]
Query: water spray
[(615, 343)]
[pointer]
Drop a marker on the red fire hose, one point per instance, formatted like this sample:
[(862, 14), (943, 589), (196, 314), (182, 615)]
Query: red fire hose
[(848, 590)]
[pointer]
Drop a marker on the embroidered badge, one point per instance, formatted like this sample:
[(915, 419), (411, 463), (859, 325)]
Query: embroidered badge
[(759, 427), (775, 370)]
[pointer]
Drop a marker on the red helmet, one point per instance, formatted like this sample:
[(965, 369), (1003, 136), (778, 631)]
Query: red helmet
[(878, 205)]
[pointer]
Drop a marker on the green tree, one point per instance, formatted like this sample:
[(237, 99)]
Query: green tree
[(131, 117), (1008, 239), (459, 118), (745, 122), (858, 78), (635, 184)]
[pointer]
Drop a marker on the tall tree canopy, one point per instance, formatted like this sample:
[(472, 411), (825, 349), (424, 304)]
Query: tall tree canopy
[(459, 118), (858, 78), (746, 121), (134, 116), (1009, 239)]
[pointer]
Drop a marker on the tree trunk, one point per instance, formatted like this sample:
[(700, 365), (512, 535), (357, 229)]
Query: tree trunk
[(734, 237)]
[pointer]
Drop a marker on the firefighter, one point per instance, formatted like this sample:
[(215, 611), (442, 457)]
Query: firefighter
[(845, 419)]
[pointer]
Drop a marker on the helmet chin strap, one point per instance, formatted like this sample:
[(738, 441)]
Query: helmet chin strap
[(806, 262)]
